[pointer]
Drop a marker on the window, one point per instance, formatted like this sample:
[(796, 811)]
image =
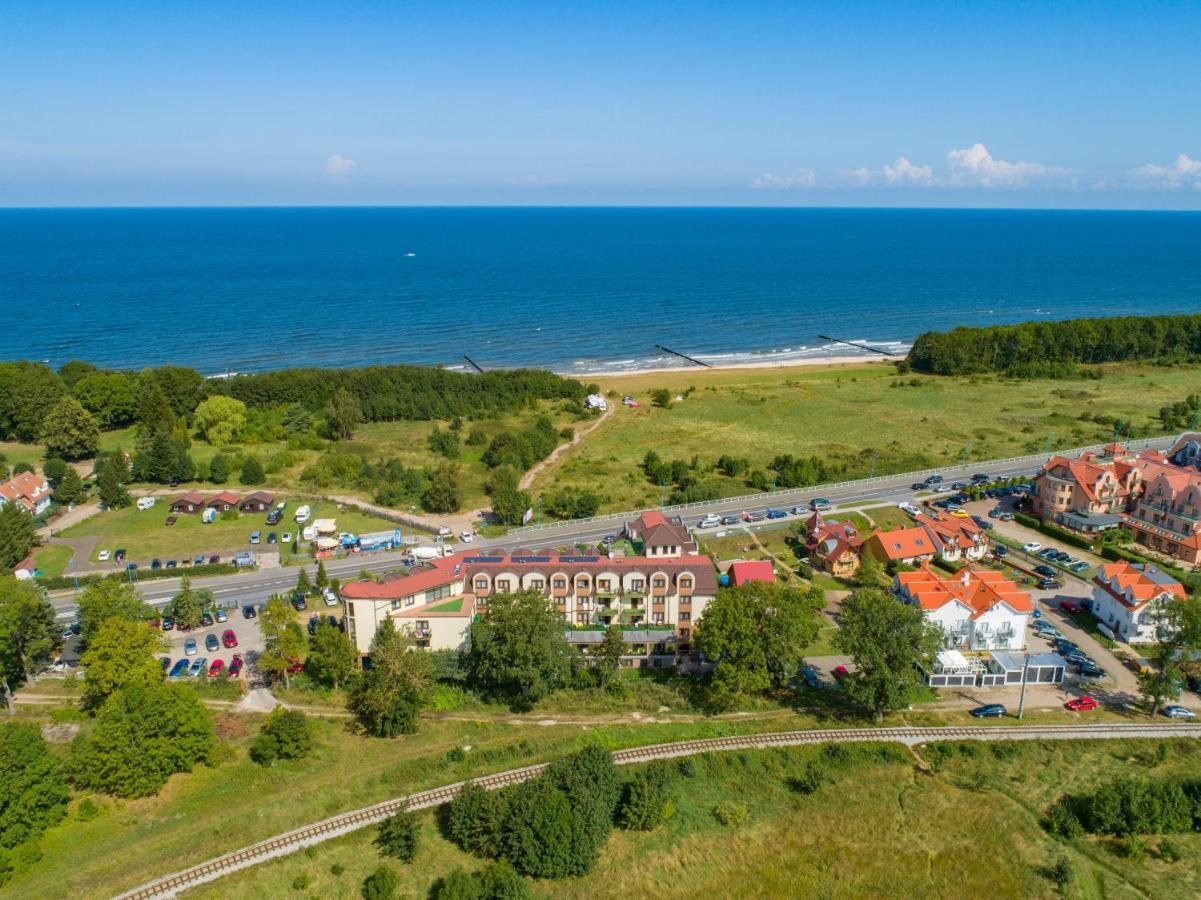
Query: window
[(660, 581), (504, 584), (481, 584), (408, 601), (560, 583), (686, 582), (685, 616), (537, 584), (657, 618), (637, 584), (604, 584)]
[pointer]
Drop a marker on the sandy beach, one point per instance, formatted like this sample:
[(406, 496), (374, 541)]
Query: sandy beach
[(804, 363)]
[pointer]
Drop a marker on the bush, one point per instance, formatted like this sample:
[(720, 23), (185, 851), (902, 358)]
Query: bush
[(380, 884), (731, 813), (400, 836), (285, 734), (809, 781), (499, 881), (337, 869), (646, 802), (1063, 873), (300, 882)]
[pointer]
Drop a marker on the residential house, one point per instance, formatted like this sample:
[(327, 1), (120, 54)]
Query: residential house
[(29, 491), (660, 536), (1093, 484), (1166, 516), (1128, 597), (656, 600), (833, 546), (259, 501), (954, 538), (976, 609), (188, 504), (1186, 452), (744, 571), (911, 546), (25, 569), (223, 502)]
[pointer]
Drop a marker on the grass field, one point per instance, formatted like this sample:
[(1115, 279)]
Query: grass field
[(845, 413), (884, 824), (144, 535), (52, 559)]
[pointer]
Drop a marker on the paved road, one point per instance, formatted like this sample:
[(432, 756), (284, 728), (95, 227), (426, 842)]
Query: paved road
[(344, 823), (255, 587)]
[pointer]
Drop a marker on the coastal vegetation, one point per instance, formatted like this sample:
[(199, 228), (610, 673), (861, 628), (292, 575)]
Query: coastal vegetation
[(826, 423), (1057, 348)]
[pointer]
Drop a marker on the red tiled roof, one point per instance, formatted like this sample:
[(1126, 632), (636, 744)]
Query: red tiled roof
[(904, 543), (25, 488), (437, 573), (752, 570), (651, 518), (225, 497), (978, 589), (194, 497), (1134, 588)]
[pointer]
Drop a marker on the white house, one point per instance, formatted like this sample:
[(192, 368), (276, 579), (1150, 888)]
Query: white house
[(976, 609), (1126, 598), (30, 492)]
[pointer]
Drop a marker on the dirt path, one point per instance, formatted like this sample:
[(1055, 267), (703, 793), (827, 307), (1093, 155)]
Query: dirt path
[(528, 478), (67, 519)]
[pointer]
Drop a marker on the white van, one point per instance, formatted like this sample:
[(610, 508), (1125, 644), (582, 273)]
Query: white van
[(209, 516), (146, 502), (302, 514)]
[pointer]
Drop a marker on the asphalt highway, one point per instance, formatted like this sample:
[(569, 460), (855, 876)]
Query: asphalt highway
[(257, 586)]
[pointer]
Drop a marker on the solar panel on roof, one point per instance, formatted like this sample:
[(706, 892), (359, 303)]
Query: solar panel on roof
[(531, 559), (483, 559), (579, 559)]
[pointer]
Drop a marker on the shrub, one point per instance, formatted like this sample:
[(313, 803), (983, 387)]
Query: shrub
[(285, 734), (337, 869), (809, 781), (731, 813), (380, 884), (400, 836), (646, 802), (499, 881), (1063, 873), (300, 882)]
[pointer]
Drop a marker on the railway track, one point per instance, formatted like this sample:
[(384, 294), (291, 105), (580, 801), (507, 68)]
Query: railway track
[(344, 823)]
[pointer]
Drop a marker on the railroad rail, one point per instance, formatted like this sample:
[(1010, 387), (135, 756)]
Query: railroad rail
[(344, 823)]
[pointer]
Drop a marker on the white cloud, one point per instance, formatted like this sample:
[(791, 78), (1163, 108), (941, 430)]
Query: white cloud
[(1184, 172), (339, 165), (901, 173), (974, 166), (769, 182)]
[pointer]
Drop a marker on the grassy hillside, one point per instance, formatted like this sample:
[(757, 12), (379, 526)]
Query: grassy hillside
[(845, 413), (941, 822)]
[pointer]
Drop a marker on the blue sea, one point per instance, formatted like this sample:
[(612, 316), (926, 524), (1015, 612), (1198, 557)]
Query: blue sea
[(574, 290)]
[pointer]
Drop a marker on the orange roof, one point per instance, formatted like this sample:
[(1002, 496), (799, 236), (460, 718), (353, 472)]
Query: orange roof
[(439, 572), (905, 543), (1134, 586), (752, 570), (25, 488), (978, 589), (948, 529), (651, 518)]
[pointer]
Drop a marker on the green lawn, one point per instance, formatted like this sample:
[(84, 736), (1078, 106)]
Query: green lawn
[(844, 413), (882, 824), (52, 559), (144, 534), (888, 518)]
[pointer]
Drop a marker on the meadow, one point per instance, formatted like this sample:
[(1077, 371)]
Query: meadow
[(863, 417), (942, 821)]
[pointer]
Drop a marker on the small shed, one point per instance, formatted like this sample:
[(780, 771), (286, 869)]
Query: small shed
[(188, 504), (259, 501), (747, 570)]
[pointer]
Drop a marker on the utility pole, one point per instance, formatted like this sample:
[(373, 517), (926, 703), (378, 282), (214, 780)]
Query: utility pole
[(662, 495), (873, 472), (1025, 674)]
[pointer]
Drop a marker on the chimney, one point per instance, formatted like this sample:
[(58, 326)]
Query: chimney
[(967, 576)]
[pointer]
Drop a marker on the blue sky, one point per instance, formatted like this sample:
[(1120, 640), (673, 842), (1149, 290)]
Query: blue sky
[(919, 104)]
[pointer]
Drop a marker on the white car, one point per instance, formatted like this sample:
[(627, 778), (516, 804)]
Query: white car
[(104, 556), (331, 598), (709, 521), (287, 538), (909, 508), (466, 537), (1032, 546)]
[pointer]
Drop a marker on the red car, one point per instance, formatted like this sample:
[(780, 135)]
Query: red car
[(840, 672), (229, 639), (1083, 703), (1071, 606), (216, 668), (294, 665), (235, 665)]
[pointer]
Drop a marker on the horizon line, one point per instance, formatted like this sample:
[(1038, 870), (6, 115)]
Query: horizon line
[(597, 206)]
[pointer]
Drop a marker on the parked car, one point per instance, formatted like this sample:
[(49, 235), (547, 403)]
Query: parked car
[(840, 672), (198, 666), (256, 537), (168, 624), (274, 517), (155, 564), (709, 521), (103, 556), (206, 620), (1045, 570), (933, 479), (214, 559), (1000, 551), (170, 564), (1083, 703), (216, 668), (466, 537), (211, 643), (979, 478), (314, 621), (248, 611), (180, 667), (120, 555), (810, 676), (776, 514), (1178, 712), (1046, 552), (1071, 606), (199, 560), (221, 615), (959, 513), (271, 537), (294, 665), (990, 711), (189, 647), (330, 596), (229, 640), (170, 521), (298, 602), (1079, 567), (1032, 546), (235, 665), (1049, 584), (1085, 670), (756, 516), (819, 504), (919, 486), (730, 520)]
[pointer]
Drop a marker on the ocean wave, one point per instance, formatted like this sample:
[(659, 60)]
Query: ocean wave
[(780, 356)]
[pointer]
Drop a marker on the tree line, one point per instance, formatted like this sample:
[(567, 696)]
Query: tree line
[(1049, 349)]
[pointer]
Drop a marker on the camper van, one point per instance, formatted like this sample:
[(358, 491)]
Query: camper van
[(302, 514), (146, 502), (209, 516)]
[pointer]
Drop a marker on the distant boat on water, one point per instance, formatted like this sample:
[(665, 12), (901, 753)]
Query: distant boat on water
[(410, 253)]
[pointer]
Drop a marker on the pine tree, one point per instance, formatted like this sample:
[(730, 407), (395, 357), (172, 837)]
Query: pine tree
[(321, 581), (303, 585)]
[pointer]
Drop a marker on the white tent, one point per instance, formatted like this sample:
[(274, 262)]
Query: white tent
[(953, 661)]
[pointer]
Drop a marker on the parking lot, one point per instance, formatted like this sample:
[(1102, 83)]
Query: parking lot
[(246, 631)]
